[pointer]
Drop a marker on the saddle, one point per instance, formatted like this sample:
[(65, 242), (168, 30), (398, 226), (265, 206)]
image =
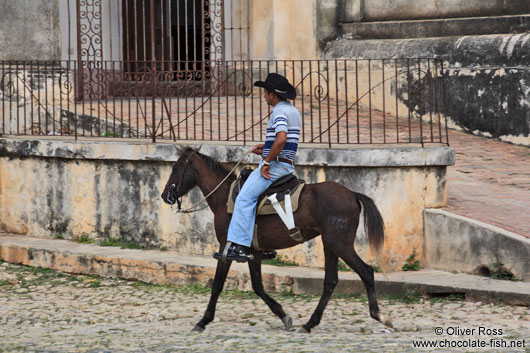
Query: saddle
[(288, 184)]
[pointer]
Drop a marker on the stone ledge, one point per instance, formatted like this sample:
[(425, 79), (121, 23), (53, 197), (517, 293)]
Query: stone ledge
[(385, 156), (445, 27), (457, 243), (158, 267), (504, 50)]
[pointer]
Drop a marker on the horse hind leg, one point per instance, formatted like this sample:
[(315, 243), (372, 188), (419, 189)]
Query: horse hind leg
[(257, 286), (331, 278), (366, 272)]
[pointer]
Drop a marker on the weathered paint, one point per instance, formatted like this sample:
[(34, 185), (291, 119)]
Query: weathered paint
[(29, 30), (486, 80), (112, 190)]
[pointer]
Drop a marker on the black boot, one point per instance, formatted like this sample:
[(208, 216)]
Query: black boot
[(235, 252)]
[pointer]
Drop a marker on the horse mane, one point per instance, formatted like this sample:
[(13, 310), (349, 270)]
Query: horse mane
[(212, 163)]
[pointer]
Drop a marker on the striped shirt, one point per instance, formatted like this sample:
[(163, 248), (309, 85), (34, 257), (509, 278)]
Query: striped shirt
[(284, 117)]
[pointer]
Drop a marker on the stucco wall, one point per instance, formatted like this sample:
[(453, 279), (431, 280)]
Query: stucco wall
[(486, 79), (112, 189), (282, 29), (291, 30), (29, 30), (38, 29), (456, 243)]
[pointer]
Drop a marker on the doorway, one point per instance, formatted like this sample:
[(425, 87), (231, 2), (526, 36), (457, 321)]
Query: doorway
[(169, 36)]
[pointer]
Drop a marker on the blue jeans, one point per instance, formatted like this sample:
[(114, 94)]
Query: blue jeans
[(241, 227)]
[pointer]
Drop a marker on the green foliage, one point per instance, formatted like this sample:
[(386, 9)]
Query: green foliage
[(84, 239), (237, 294), (132, 245), (407, 297), (109, 134), (444, 298), (93, 283), (40, 276), (41, 271), (412, 264), (122, 244), (190, 289), (110, 242), (59, 236), (343, 267), (498, 271), (279, 261), (194, 288), (352, 295), (376, 268), (4, 282), (456, 297)]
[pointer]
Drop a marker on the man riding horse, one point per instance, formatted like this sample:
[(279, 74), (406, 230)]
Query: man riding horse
[(325, 209), (278, 153)]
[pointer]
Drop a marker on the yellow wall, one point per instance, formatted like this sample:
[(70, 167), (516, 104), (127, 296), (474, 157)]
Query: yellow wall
[(112, 190), (283, 29)]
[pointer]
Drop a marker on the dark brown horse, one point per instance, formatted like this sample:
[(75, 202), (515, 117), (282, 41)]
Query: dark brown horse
[(328, 209)]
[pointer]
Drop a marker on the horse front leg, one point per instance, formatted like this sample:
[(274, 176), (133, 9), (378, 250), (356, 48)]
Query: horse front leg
[(331, 278), (218, 282), (257, 285)]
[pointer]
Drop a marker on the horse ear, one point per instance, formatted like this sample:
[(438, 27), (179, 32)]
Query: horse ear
[(179, 150), (198, 148)]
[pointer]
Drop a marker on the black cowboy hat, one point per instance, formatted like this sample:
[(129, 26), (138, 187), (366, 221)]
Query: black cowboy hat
[(279, 85)]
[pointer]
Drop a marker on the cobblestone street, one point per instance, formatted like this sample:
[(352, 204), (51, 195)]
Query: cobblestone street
[(47, 311)]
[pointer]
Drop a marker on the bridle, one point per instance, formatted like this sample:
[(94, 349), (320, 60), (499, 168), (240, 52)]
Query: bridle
[(174, 188), (172, 195)]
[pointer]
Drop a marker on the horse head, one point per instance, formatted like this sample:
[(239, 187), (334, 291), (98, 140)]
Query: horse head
[(183, 177)]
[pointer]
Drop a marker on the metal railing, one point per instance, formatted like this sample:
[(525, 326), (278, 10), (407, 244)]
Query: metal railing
[(386, 101)]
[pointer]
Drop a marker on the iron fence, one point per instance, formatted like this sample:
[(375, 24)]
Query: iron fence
[(385, 101)]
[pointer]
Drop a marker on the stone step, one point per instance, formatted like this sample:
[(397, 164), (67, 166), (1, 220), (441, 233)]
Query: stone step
[(446, 27), (170, 268), (494, 50), (456, 243)]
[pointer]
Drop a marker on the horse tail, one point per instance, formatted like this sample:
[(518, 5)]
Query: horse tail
[(374, 227)]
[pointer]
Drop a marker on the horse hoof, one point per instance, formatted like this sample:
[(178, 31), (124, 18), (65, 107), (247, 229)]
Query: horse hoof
[(287, 322), (302, 330), (197, 328), (386, 321)]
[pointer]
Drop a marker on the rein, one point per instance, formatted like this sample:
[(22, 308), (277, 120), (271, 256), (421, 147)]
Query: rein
[(192, 208)]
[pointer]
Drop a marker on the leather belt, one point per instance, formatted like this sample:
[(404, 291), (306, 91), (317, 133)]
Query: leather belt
[(284, 160)]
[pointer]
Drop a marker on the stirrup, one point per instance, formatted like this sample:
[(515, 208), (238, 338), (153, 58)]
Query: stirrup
[(230, 253), (269, 254)]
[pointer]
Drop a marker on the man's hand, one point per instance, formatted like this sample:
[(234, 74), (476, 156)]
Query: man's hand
[(277, 146), (266, 171), (258, 149)]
